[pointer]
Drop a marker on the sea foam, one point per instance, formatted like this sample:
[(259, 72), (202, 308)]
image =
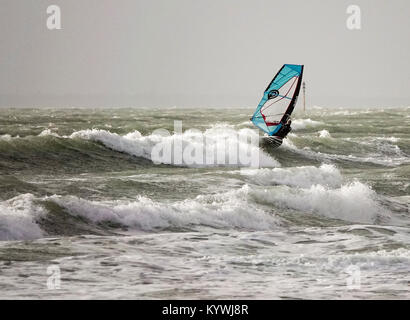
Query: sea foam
[(305, 176), (353, 202), (215, 138), (225, 210), (18, 218), (298, 124)]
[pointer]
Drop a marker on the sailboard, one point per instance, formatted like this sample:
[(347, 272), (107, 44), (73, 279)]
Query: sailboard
[(273, 112)]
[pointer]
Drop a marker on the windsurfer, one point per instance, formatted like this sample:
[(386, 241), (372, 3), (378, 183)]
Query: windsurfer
[(272, 115), (285, 129)]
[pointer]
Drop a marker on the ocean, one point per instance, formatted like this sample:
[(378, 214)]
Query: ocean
[(86, 213)]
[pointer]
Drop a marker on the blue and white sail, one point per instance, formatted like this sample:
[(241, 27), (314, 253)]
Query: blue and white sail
[(279, 99)]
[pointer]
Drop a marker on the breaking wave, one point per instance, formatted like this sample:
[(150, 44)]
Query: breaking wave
[(220, 145), (227, 210), (298, 124), (22, 217), (251, 207), (324, 134), (354, 202), (306, 176), (384, 154), (217, 146), (18, 218)]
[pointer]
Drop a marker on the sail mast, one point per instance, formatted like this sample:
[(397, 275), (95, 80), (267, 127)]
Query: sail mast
[(304, 96)]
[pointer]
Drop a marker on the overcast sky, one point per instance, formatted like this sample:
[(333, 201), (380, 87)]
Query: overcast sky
[(201, 53)]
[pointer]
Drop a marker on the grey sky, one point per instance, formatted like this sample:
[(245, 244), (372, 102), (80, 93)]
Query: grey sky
[(201, 53)]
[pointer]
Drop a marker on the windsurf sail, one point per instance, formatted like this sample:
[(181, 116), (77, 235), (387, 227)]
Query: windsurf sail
[(279, 99)]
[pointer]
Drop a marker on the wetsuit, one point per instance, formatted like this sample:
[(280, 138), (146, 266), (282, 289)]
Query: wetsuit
[(284, 130)]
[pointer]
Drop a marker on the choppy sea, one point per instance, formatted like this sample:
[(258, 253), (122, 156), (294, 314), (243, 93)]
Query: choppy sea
[(326, 215)]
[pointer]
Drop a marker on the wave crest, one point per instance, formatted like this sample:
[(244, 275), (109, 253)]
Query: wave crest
[(354, 202), (18, 218), (216, 138), (304, 177)]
